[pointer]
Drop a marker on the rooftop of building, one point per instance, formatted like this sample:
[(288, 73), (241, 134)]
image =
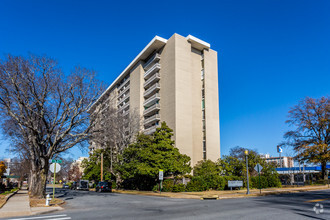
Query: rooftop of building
[(155, 44)]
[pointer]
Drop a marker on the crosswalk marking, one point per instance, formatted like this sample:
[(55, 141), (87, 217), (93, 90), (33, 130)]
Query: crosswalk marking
[(50, 217)]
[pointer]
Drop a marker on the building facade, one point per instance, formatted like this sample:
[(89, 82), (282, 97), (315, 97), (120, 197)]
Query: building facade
[(175, 81), (280, 161)]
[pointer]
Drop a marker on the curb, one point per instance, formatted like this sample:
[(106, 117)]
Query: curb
[(8, 197), (47, 211), (270, 193), (216, 197)]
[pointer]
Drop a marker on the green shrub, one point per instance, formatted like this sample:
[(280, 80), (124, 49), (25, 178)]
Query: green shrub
[(168, 185), (274, 181), (196, 184), (219, 183), (155, 188), (114, 184), (265, 181), (179, 188)]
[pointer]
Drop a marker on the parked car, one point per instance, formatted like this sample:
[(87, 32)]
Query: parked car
[(104, 187), (74, 186), (65, 186), (83, 185)]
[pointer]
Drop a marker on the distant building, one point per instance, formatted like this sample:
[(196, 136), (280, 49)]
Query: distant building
[(285, 161), (8, 163), (78, 163)]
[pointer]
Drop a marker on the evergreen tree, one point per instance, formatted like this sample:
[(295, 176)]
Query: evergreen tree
[(143, 159)]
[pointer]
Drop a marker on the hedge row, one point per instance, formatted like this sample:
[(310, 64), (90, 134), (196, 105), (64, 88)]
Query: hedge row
[(198, 183), (265, 182)]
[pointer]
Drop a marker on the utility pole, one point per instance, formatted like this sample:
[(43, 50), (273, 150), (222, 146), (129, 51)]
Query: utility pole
[(247, 171), (101, 166), (54, 181)]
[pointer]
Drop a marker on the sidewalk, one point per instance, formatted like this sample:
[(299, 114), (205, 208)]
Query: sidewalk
[(226, 194), (19, 205)]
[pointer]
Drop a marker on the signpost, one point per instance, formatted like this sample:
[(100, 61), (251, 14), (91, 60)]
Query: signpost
[(280, 150), (258, 168), (161, 177), (235, 183), (56, 161), (55, 168)]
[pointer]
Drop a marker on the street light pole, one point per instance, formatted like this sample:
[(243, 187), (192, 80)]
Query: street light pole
[(102, 167), (247, 171)]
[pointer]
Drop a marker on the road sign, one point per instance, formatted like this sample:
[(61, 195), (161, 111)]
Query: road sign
[(279, 149), (235, 183), (258, 168), (56, 161), (161, 174), (52, 168)]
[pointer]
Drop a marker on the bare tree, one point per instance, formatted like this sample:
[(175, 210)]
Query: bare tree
[(114, 131), (63, 174), (74, 173), (311, 136), (47, 109)]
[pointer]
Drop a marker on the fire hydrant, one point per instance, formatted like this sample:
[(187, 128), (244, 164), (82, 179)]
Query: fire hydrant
[(48, 199)]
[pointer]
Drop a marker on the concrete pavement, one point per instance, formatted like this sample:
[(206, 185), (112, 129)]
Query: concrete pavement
[(19, 205)]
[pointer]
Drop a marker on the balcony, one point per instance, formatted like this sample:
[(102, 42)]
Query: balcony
[(150, 101), (154, 78), (149, 63), (151, 129), (123, 112), (151, 110), (152, 119), (123, 98), (123, 106), (123, 84), (153, 69), (120, 92), (151, 90)]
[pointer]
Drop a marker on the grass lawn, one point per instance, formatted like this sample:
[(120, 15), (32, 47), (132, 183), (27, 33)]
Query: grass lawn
[(35, 202)]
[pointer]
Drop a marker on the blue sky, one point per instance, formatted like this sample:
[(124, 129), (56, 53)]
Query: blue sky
[(271, 53)]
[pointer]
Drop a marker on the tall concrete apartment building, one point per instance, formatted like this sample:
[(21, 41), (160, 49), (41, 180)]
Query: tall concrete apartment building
[(175, 81)]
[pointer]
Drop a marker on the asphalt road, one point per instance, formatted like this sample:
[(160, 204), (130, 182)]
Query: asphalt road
[(92, 205)]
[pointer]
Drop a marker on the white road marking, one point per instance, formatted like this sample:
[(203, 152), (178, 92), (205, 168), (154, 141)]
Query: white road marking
[(59, 218), (45, 217)]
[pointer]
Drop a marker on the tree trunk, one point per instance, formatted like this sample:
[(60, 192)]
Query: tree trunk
[(38, 179), (324, 168)]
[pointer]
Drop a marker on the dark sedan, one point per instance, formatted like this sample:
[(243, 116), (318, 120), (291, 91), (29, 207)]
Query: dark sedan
[(104, 187)]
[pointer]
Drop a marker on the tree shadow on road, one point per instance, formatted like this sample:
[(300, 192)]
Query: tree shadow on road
[(300, 203)]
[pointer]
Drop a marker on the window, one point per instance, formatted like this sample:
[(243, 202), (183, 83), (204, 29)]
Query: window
[(203, 103)]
